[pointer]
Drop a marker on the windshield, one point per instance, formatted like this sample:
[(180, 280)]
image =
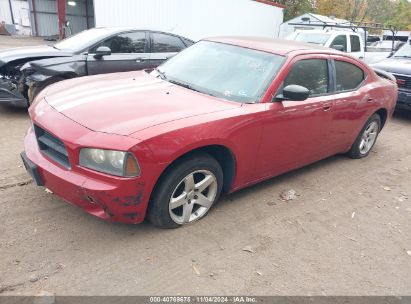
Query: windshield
[(405, 51), (226, 71), (82, 40), (320, 39)]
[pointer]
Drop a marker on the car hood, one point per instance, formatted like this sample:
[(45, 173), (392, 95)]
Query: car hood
[(30, 52), (124, 103), (394, 65)]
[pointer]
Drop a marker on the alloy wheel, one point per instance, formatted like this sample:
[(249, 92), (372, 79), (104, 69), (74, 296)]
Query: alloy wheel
[(193, 197), (368, 137)]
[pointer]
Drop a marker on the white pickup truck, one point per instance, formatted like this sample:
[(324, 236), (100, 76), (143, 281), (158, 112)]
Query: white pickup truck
[(346, 41)]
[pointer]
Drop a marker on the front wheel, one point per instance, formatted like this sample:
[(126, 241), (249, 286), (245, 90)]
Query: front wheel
[(186, 192), (367, 138)]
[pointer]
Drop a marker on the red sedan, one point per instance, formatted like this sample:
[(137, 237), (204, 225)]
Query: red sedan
[(223, 114)]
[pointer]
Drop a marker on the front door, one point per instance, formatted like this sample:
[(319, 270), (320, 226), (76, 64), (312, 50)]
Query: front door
[(129, 52), (297, 133)]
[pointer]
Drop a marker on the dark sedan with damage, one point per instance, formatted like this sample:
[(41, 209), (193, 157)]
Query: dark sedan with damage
[(400, 66), (26, 71)]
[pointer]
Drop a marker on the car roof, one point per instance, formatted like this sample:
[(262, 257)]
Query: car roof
[(275, 46), (118, 29)]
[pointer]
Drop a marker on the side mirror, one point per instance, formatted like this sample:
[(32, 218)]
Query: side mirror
[(338, 47), (294, 92), (102, 51)]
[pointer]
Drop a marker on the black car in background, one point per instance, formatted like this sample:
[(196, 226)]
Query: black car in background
[(26, 71), (399, 64)]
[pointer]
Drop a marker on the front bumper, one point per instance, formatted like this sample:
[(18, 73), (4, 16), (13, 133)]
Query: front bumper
[(404, 99), (109, 198), (10, 96)]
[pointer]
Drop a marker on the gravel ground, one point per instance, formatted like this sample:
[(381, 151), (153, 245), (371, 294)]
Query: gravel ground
[(7, 42), (347, 232)]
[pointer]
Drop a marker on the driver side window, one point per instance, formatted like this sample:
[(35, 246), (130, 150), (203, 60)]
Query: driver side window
[(134, 42), (309, 73)]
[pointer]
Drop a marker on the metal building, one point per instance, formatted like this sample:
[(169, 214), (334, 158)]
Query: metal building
[(194, 19), (15, 17), (41, 17)]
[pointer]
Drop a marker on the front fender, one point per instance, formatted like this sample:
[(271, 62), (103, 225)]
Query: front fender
[(240, 133), (73, 66)]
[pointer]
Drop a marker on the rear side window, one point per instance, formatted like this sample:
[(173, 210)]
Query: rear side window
[(309, 73), (341, 41), (163, 43), (355, 43), (348, 76)]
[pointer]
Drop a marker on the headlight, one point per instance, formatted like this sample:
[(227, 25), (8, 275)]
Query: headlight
[(112, 162)]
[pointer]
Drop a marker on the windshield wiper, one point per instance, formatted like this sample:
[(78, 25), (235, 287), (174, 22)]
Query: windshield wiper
[(161, 74), (187, 86), (402, 56), (184, 85)]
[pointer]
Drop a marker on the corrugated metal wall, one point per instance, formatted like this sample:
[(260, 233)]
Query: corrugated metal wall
[(193, 19), (21, 15), (5, 11), (46, 11)]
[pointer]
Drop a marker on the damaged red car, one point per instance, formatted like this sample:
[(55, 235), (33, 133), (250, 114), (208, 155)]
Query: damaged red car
[(222, 115)]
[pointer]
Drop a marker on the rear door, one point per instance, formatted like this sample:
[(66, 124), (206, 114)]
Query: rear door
[(353, 102), (296, 133), (129, 52), (164, 46)]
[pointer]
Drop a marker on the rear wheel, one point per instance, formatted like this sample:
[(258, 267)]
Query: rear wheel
[(186, 192), (367, 138)]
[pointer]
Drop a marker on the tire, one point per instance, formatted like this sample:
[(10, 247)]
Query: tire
[(35, 90), (179, 198), (367, 138)]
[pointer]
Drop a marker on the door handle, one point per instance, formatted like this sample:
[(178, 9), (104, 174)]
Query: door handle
[(141, 59), (370, 100), (327, 107)]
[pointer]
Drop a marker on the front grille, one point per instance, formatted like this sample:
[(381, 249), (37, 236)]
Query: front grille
[(403, 81), (51, 146)]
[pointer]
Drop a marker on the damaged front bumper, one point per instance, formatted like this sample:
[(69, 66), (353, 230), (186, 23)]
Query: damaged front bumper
[(117, 200), (10, 95)]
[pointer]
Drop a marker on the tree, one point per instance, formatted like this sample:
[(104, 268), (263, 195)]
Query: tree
[(352, 10), (388, 12), (401, 17), (381, 12), (296, 8)]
